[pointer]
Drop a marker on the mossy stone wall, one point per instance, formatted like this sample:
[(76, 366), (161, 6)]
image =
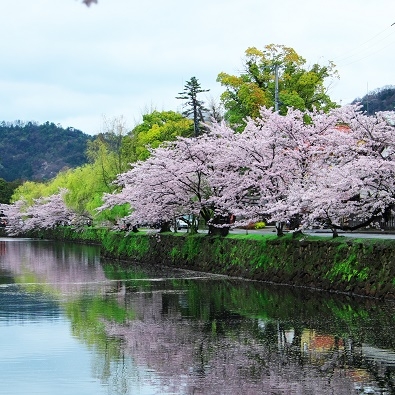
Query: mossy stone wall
[(363, 267)]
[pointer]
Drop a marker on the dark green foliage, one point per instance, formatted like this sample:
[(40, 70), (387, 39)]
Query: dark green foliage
[(7, 189), (29, 151), (381, 99), (195, 108)]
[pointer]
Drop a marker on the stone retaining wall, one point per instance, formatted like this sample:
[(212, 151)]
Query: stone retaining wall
[(356, 267), (363, 267)]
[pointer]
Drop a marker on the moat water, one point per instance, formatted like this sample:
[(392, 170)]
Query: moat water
[(73, 323)]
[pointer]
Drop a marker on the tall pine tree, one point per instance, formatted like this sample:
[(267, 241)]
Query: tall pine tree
[(195, 107)]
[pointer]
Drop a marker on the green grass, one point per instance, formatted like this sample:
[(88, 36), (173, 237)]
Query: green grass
[(252, 236)]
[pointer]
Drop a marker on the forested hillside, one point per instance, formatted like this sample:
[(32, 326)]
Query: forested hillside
[(381, 99), (29, 151)]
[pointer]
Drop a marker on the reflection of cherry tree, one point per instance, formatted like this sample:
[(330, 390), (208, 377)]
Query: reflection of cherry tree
[(67, 269), (186, 356), (184, 343)]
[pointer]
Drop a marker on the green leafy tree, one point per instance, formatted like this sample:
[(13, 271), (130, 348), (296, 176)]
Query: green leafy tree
[(85, 188), (195, 107), (297, 86), (157, 128), (109, 151), (31, 190)]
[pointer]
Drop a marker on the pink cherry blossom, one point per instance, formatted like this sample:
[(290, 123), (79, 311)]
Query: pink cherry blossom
[(44, 213)]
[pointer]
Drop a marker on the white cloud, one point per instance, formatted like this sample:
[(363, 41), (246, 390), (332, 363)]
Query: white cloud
[(66, 63)]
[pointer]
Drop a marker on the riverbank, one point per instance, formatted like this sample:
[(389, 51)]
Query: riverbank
[(363, 267)]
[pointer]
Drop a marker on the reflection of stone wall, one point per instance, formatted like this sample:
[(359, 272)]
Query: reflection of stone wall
[(360, 267)]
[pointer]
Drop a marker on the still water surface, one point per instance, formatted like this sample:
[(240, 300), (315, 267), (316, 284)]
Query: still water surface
[(73, 323)]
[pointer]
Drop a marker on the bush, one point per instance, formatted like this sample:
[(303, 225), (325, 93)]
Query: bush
[(254, 225), (259, 225)]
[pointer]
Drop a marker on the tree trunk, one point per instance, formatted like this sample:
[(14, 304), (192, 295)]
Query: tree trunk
[(193, 228), (334, 233), (219, 226), (279, 228), (218, 231), (164, 227)]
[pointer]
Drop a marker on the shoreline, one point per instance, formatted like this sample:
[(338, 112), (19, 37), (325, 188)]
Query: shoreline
[(364, 267)]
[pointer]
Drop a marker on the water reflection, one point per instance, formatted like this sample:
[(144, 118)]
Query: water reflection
[(166, 331), (235, 337)]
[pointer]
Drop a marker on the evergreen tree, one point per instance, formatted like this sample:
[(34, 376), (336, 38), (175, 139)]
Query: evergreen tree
[(195, 107)]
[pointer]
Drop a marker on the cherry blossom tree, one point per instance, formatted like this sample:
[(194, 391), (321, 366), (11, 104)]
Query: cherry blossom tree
[(192, 176), (354, 187), (44, 213), (49, 212), (307, 167), (14, 217), (279, 154), (312, 168), (153, 189), (331, 169)]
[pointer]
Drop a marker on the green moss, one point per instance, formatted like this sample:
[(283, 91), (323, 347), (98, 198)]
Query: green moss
[(191, 248), (346, 265), (175, 253)]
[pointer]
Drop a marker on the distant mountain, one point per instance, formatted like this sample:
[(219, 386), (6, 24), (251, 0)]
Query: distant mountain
[(29, 151), (381, 99)]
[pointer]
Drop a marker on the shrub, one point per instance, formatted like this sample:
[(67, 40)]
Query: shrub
[(259, 225)]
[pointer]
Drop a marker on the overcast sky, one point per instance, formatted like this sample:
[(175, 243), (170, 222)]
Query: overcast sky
[(67, 63)]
